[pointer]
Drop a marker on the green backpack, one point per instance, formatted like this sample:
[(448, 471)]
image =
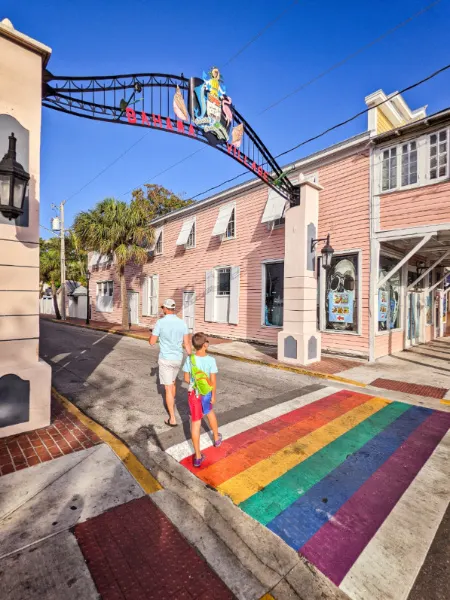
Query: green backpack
[(201, 382)]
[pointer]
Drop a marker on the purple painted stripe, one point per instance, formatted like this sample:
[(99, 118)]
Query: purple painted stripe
[(337, 545)]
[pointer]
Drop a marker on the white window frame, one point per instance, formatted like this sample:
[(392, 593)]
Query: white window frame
[(109, 283), (225, 236), (191, 245), (149, 297), (408, 154), (390, 151), (438, 177), (264, 263), (322, 291), (423, 163), (159, 239), (217, 270)]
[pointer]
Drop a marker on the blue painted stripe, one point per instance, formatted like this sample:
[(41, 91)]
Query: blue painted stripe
[(298, 523)]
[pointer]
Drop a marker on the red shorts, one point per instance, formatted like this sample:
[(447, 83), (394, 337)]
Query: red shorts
[(199, 405)]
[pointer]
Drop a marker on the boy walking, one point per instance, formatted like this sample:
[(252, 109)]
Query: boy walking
[(200, 372), (172, 334)]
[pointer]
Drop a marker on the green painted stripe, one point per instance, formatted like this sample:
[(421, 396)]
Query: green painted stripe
[(281, 493)]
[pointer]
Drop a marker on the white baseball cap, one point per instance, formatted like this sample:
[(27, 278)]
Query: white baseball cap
[(169, 303)]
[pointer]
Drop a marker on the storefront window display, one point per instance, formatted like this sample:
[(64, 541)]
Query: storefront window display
[(341, 298), (274, 294), (389, 296)]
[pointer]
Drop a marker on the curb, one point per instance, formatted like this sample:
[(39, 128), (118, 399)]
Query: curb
[(144, 478), (252, 361)]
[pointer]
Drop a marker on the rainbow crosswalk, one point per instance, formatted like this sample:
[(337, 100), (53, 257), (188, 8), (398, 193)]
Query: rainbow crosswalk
[(325, 472)]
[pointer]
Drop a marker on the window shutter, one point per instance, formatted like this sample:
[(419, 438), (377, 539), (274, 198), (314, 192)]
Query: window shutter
[(184, 232), (155, 294), (274, 208), (234, 295), (157, 232), (209, 296), (94, 258), (145, 306), (223, 219)]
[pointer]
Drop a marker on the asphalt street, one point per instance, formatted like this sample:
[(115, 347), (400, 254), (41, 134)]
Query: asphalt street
[(114, 379)]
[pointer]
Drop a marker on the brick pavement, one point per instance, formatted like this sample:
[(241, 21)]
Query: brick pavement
[(65, 434), (134, 552), (410, 388)]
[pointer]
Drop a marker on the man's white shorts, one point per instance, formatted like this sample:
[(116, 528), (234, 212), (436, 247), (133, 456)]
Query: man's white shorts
[(168, 370)]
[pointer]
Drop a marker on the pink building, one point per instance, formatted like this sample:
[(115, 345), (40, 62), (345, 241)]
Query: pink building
[(239, 264)]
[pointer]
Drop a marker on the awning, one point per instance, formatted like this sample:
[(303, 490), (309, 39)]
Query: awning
[(223, 219), (157, 232), (275, 206), (185, 232)]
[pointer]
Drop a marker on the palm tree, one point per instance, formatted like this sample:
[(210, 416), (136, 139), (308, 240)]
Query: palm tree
[(50, 268), (120, 231)]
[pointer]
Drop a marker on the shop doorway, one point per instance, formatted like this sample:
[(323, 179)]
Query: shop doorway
[(189, 310), (414, 317), (133, 307)]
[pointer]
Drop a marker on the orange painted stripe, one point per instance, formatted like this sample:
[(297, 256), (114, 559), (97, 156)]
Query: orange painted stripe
[(245, 458)]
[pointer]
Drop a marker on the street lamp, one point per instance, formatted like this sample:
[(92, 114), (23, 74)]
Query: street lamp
[(13, 183), (88, 276), (327, 251)]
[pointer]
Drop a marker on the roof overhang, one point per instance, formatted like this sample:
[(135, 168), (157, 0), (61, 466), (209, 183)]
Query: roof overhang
[(7, 31)]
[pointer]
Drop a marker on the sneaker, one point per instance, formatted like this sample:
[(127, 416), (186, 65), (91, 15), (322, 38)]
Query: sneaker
[(218, 441), (198, 461)]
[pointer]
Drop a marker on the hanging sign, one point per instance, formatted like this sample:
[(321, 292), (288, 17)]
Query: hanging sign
[(383, 299), (340, 307)]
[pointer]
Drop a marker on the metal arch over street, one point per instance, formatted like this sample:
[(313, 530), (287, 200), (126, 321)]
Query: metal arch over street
[(195, 107)]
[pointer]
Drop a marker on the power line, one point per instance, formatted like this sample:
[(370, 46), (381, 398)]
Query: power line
[(338, 125), (308, 83), (352, 55), (262, 31)]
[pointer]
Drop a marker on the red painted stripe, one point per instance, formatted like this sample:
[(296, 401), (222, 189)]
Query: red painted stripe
[(244, 439)]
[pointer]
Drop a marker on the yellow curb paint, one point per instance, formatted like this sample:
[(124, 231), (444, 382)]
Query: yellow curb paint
[(145, 479), (249, 482), (267, 597), (252, 361), (299, 370), (445, 402)]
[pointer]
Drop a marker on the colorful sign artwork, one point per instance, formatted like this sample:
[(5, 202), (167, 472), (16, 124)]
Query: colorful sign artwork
[(213, 113), (383, 299), (340, 307)]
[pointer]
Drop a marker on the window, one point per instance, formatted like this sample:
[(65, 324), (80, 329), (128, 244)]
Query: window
[(159, 243), (438, 154), (389, 169), (341, 297), (223, 281), (191, 239), (150, 296), (409, 163), (273, 289), (275, 207), (231, 227), (105, 293), (389, 296)]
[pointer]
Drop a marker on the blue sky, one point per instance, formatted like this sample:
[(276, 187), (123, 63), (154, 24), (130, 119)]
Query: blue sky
[(105, 38)]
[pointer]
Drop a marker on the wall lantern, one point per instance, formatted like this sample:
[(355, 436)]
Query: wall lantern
[(13, 183), (327, 251)]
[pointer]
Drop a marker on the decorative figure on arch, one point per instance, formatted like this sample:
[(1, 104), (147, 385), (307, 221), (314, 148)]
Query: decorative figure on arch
[(179, 106), (213, 113)]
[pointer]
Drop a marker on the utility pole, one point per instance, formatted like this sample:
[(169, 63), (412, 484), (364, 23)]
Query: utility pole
[(59, 226)]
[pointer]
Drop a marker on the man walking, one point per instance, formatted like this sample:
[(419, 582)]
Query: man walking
[(172, 334)]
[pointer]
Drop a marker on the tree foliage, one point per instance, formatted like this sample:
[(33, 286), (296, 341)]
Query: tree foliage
[(159, 200)]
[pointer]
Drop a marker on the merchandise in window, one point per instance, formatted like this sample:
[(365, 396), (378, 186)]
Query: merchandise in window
[(274, 294), (389, 296), (438, 155), (341, 298), (389, 169), (223, 282), (409, 163)]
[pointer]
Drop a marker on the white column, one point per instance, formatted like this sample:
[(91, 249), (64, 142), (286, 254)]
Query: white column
[(25, 381), (300, 342)]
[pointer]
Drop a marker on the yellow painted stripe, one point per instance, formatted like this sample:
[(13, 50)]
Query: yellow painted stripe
[(445, 402), (249, 482), (145, 479), (267, 597)]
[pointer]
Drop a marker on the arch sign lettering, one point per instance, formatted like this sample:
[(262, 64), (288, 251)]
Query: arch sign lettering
[(199, 108)]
